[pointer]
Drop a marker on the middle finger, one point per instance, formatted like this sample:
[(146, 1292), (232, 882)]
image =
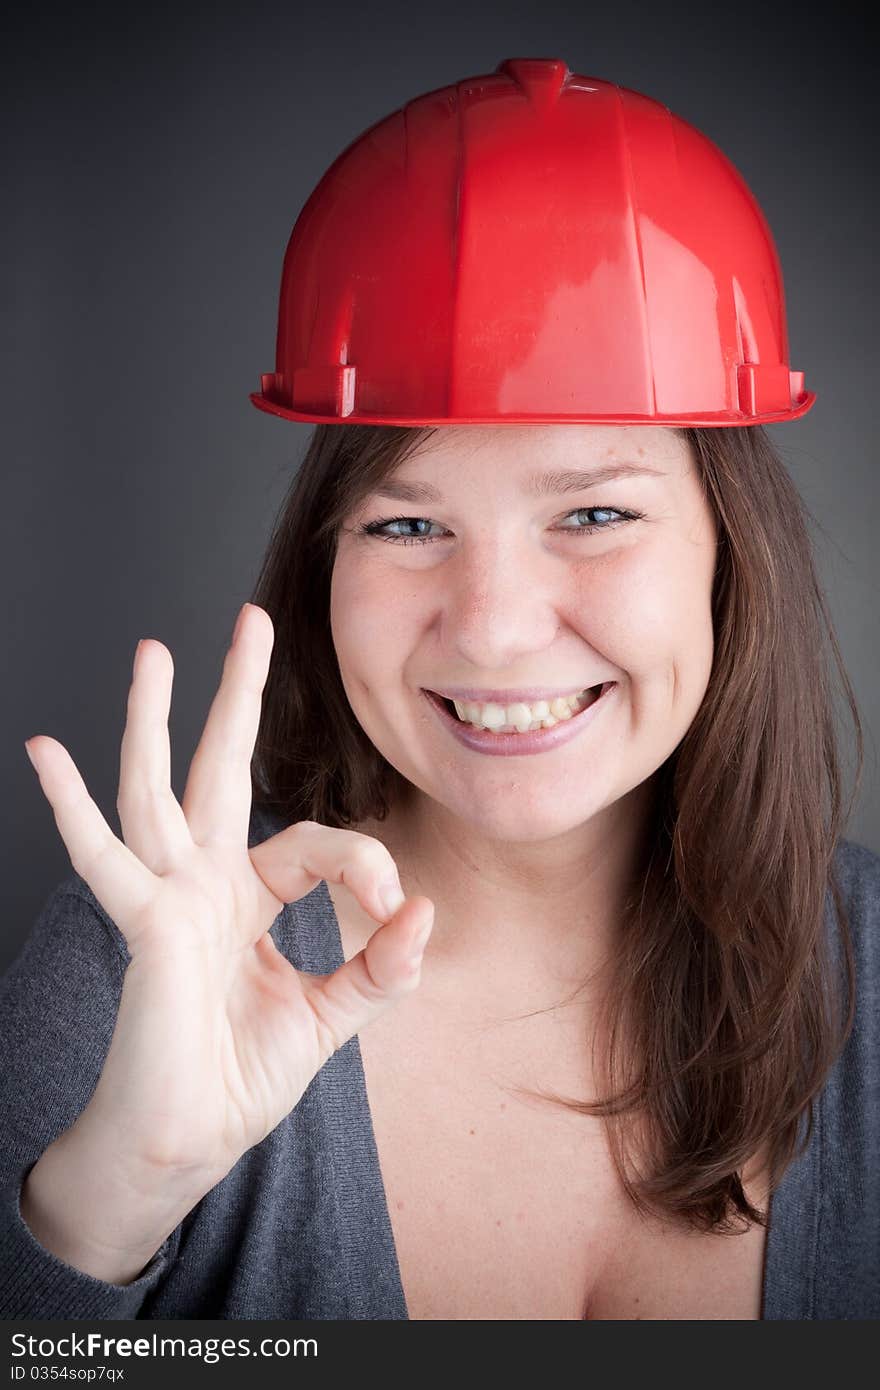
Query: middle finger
[(217, 798)]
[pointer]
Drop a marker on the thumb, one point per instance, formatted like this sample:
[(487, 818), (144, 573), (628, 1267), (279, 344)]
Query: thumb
[(387, 968)]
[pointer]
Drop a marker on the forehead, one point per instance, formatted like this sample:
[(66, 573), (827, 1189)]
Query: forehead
[(529, 445), (537, 459)]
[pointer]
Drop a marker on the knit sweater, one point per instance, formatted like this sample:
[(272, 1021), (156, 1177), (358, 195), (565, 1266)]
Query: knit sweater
[(299, 1228)]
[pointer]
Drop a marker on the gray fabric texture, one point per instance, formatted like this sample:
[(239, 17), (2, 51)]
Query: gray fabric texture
[(300, 1227)]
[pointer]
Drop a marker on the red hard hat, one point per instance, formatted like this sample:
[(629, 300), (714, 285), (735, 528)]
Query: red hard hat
[(527, 246)]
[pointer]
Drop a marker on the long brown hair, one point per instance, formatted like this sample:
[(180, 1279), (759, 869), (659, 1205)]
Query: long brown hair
[(733, 1006)]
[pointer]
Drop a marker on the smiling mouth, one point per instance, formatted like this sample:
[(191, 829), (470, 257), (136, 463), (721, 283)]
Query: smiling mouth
[(544, 715)]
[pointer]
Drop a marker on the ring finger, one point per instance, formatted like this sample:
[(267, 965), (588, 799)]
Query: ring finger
[(153, 824)]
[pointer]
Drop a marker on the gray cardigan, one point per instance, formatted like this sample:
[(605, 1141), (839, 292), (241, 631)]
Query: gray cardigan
[(300, 1228)]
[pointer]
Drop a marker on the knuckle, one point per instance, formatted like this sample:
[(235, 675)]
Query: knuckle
[(329, 1039), (140, 794), (369, 853), (87, 865), (370, 988)]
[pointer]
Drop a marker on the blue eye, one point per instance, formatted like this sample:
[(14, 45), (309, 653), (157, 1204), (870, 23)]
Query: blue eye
[(375, 528), (595, 526)]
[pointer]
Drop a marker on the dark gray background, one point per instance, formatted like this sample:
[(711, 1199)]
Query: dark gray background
[(156, 163)]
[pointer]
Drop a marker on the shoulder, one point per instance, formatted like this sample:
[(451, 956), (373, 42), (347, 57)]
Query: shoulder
[(857, 870), (853, 1096), (858, 867), (847, 1231), (72, 931)]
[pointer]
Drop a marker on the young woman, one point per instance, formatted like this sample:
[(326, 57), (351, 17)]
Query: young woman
[(498, 961)]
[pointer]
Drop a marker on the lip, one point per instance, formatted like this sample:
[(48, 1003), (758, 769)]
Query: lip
[(528, 695), (511, 745)]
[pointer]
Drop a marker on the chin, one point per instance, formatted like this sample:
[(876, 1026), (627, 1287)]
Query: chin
[(500, 804)]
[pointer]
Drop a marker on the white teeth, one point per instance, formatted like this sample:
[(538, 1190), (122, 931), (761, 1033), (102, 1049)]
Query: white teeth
[(519, 715), (522, 718), (494, 716)]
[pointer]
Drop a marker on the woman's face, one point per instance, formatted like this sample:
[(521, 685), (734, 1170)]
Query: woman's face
[(509, 589)]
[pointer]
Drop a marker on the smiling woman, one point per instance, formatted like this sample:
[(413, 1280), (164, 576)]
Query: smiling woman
[(566, 709), (690, 827)]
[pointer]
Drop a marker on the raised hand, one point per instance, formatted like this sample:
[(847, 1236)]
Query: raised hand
[(217, 1034)]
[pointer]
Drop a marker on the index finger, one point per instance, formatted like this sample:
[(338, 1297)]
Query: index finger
[(217, 797)]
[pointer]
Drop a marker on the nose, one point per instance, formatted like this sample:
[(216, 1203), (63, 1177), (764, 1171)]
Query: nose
[(499, 607)]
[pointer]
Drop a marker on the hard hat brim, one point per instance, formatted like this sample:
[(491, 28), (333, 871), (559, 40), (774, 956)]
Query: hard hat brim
[(705, 421)]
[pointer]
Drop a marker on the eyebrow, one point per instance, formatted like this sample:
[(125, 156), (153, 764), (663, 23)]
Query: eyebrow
[(537, 484)]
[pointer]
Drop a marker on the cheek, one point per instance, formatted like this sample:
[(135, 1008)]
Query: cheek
[(649, 607), (349, 611), (368, 617)]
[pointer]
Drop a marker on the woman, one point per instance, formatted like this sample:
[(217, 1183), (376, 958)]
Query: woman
[(558, 718)]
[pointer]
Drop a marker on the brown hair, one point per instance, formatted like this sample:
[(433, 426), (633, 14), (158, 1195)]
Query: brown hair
[(723, 982)]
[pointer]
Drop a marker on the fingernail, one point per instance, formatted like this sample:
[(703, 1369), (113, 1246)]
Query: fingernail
[(30, 756), (391, 895)]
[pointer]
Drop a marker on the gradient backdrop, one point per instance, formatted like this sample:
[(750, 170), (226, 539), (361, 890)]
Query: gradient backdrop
[(155, 164)]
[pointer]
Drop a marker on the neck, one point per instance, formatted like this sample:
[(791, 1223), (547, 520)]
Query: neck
[(524, 918)]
